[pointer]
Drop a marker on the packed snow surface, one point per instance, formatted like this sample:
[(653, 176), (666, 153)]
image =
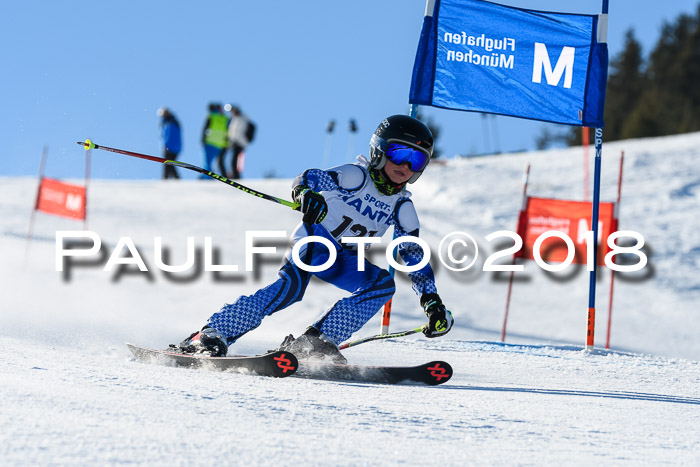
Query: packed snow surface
[(71, 393)]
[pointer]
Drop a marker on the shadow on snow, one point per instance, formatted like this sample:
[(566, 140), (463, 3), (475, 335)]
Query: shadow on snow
[(570, 392)]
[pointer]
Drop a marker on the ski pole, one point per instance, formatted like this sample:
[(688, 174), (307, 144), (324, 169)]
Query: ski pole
[(380, 336), (90, 145)]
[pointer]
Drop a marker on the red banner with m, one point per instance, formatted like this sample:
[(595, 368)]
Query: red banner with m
[(61, 199), (551, 228), (571, 218)]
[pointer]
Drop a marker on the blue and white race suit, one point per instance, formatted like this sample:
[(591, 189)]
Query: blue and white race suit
[(355, 208)]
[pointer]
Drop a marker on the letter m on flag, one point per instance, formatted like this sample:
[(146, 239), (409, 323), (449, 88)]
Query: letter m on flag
[(565, 66)]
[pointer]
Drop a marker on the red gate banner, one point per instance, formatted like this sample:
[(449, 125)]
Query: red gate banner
[(572, 218), (61, 199)]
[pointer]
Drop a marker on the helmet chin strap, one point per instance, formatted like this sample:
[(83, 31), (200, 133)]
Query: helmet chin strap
[(383, 182)]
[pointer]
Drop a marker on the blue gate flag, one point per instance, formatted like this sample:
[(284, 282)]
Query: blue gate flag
[(485, 57)]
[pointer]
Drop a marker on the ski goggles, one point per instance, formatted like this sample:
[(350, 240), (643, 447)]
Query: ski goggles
[(400, 154)]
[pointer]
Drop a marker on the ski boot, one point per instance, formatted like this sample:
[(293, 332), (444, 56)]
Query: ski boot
[(313, 345), (208, 341)]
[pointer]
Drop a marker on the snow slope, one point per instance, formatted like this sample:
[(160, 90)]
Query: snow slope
[(70, 393)]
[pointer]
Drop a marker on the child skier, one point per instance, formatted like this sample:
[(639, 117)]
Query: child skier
[(354, 200)]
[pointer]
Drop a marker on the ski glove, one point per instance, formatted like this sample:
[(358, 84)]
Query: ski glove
[(439, 318), (313, 205)]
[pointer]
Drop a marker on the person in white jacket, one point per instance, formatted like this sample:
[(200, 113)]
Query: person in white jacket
[(237, 141)]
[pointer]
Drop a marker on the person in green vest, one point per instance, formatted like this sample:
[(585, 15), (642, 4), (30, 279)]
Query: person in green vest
[(214, 135)]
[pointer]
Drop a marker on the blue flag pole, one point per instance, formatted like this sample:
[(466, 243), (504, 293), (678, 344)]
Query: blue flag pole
[(590, 329)]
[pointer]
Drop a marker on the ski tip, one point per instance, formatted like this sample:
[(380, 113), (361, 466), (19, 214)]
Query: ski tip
[(438, 372), (87, 144), (286, 364)]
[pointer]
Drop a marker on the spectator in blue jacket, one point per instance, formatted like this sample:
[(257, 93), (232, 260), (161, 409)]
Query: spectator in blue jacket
[(172, 140)]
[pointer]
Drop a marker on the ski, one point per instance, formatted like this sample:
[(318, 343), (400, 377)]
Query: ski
[(278, 364), (432, 373)]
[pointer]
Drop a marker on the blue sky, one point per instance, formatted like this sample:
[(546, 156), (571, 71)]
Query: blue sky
[(75, 69)]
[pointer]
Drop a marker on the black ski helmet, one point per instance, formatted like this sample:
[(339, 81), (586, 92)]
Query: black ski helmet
[(401, 129)]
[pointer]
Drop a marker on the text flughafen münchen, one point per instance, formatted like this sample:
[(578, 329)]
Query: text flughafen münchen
[(498, 50)]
